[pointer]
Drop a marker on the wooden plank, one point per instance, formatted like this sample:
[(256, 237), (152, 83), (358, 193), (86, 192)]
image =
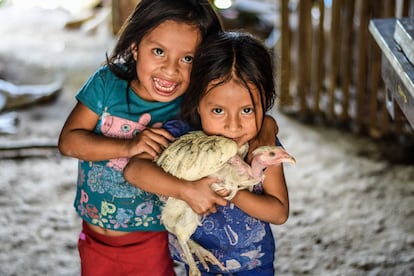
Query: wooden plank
[(347, 57), (28, 148), (335, 47), (121, 9), (375, 78), (405, 8), (319, 58), (401, 82), (362, 62), (305, 53), (285, 60), (374, 75), (411, 8), (389, 8)]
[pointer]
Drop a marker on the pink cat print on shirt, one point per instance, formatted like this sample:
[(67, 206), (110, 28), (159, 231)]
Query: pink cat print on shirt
[(113, 126)]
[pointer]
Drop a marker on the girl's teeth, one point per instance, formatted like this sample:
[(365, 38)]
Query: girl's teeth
[(166, 86)]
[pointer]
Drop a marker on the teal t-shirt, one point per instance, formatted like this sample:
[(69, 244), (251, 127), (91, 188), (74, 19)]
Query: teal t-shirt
[(103, 196)]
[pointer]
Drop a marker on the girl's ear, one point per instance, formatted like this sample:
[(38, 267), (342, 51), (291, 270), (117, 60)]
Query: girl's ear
[(134, 50)]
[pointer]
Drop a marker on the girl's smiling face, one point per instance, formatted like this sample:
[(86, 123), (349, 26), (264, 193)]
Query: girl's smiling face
[(164, 60), (231, 111)]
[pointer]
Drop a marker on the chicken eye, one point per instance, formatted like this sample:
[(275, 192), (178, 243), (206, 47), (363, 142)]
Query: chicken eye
[(158, 51), (125, 128)]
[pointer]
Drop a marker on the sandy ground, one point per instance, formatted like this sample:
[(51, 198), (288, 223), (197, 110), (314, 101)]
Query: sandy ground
[(352, 211)]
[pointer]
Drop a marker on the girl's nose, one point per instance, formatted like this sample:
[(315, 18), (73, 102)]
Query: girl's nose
[(170, 67), (233, 123)]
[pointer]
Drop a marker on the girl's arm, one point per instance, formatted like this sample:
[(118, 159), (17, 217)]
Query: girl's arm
[(78, 140), (145, 174), (273, 205)]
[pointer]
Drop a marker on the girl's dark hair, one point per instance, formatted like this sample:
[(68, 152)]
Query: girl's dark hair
[(229, 56), (147, 15)]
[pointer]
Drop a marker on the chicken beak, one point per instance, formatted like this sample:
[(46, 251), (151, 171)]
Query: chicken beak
[(284, 157), (287, 158)]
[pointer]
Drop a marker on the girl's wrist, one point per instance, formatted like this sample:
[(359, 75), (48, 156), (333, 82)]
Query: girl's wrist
[(183, 190), (126, 148)]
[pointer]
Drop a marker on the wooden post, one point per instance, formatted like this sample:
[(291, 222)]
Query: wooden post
[(335, 50), (285, 60), (348, 8), (121, 9), (410, 8), (362, 62), (389, 11), (376, 6), (305, 53), (319, 58)]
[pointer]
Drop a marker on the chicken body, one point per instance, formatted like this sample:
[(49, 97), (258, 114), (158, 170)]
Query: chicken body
[(196, 155)]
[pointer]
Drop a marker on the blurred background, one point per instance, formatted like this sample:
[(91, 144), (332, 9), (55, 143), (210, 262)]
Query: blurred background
[(352, 190)]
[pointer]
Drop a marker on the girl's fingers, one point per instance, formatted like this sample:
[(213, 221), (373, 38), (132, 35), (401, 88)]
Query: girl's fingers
[(162, 132), (156, 136)]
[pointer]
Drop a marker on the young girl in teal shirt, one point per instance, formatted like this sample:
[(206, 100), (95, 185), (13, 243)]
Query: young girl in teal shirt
[(117, 115)]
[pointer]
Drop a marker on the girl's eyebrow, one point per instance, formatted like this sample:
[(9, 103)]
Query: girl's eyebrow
[(151, 41), (160, 45), (212, 103)]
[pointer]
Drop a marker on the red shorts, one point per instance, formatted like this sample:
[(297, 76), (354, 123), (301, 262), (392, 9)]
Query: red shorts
[(137, 253)]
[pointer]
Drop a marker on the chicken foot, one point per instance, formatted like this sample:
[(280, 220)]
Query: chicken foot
[(202, 254)]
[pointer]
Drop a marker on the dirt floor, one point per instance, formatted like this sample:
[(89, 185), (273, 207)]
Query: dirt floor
[(352, 211)]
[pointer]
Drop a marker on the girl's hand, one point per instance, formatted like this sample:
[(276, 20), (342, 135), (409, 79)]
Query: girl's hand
[(150, 141), (141, 172), (265, 137), (201, 198), (222, 192)]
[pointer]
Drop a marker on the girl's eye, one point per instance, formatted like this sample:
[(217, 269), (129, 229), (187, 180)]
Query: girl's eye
[(217, 111), (158, 52), (247, 110), (188, 59)]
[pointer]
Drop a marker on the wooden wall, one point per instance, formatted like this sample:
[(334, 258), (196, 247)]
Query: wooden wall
[(330, 66)]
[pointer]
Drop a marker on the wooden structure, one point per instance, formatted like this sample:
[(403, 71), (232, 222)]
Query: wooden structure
[(121, 9), (397, 64), (330, 65)]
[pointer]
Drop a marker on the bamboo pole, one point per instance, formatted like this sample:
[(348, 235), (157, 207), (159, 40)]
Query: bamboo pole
[(335, 50), (285, 60), (305, 53), (376, 6), (347, 57), (362, 61), (320, 58), (390, 10)]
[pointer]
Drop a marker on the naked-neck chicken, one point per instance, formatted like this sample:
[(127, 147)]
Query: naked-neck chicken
[(197, 155)]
